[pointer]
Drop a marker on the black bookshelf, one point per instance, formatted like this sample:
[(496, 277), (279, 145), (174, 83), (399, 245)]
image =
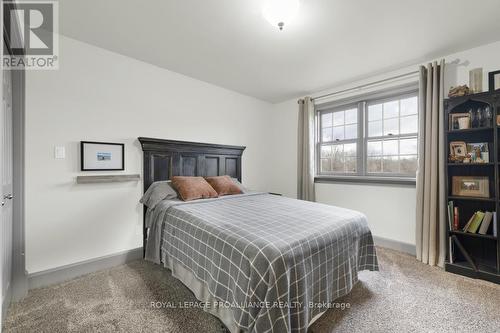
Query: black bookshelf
[(474, 255)]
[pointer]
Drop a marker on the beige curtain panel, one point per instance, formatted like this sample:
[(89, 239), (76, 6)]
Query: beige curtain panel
[(305, 155), (431, 217)]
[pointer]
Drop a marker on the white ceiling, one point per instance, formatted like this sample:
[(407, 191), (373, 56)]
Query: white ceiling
[(228, 42)]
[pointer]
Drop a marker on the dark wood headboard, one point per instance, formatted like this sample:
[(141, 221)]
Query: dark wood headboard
[(166, 158)]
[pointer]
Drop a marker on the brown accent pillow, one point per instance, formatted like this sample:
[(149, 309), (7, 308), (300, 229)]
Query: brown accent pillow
[(192, 188), (224, 185)]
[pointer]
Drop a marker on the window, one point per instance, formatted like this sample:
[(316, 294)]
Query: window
[(376, 137), (339, 135)]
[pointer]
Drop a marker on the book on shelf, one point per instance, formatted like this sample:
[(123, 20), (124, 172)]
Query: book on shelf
[(479, 222), (456, 218), (467, 225), (476, 222), (485, 224), (450, 215)]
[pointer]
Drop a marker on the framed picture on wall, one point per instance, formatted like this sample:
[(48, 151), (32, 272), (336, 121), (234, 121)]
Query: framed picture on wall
[(102, 156)]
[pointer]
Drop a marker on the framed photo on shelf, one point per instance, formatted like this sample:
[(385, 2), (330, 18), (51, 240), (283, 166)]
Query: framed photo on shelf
[(494, 80), (470, 186), (458, 151), (102, 156), (478, 152), (459, 121), (475, 153)]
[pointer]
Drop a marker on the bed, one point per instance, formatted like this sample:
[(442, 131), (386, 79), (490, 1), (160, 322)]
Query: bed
[(259, 262)]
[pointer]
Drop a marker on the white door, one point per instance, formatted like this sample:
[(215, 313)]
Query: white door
[(6, 178)]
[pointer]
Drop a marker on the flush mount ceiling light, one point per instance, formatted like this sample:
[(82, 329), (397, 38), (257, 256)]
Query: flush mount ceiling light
[(279, 12)]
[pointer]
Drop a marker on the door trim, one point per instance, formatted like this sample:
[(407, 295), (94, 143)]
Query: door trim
[(19, 283), (19, 275)]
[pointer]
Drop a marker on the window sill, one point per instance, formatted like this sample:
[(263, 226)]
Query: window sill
[(366, 180)]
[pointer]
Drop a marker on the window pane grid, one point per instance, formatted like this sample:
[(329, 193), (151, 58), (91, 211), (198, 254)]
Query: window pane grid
[(393, 155), (390, 145), (337, 126), (338, 158)]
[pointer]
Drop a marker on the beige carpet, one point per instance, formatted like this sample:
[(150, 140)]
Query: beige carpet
[(405, 296)]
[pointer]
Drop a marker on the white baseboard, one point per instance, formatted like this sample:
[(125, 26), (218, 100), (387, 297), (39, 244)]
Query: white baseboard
[(71, 271), (395, 245)]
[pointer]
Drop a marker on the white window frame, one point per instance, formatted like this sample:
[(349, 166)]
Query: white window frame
[(319, 143), (362, 103)]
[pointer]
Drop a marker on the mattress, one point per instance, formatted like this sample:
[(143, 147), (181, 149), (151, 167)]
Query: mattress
[(261, 262)]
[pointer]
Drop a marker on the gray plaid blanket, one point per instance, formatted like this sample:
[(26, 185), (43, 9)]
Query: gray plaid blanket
[(277, 262)]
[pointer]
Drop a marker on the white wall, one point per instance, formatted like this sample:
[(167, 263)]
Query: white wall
[(390, 209), (459, 64), (98, 95)]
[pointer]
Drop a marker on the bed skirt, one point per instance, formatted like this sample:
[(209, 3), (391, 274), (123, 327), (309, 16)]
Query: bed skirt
[(202, 294)]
